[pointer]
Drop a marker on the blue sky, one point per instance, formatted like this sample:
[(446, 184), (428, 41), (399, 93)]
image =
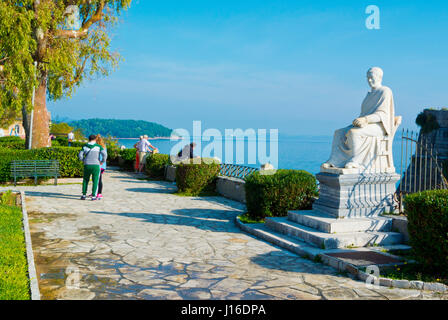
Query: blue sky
[(294, 65)]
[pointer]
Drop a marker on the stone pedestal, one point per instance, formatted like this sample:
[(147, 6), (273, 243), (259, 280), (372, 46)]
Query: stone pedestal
[(356, 195)]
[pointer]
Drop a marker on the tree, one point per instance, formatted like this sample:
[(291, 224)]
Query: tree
[(63, 129), (52, 46)]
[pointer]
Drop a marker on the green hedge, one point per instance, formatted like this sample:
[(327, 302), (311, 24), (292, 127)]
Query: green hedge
[(194, 179), (63, 142), (272, 195), (128, 157), (12, 143), (7, 156), (155, 165), (69, 164), (427, 214)]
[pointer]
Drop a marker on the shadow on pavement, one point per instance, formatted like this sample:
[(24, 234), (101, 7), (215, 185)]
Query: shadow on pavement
[(204, 219), (51, 195)]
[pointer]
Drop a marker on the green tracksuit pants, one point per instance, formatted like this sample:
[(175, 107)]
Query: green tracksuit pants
[(94, 171)]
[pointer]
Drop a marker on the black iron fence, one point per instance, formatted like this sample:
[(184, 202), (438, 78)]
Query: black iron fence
[(421, 166)]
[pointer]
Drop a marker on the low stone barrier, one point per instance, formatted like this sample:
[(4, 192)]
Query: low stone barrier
[(170, 173), (400, 224), (231, 188)]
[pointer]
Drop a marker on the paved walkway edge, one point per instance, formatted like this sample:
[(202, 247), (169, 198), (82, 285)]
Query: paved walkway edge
[(319, 255), (34, 285)]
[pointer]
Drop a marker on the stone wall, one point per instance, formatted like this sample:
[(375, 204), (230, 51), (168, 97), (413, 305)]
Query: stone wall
[(400, 224), (170, 173), (231, 188)]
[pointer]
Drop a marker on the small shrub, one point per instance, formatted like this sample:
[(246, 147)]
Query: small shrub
[(273, 195), (128, 157), (12, 142), (155, 165), (194, 179), (113, 150), (427, 214)]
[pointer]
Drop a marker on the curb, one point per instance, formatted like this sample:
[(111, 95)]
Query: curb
[(34, 285), (343, 266)]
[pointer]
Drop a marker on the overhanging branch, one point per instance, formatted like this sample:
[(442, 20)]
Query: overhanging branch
[(83, 31)]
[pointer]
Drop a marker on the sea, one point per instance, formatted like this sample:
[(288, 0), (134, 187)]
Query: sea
[(299, 152)]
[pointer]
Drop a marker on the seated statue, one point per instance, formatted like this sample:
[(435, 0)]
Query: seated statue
[(358, 145)]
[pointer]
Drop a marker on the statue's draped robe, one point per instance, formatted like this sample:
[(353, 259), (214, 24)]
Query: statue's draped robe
[(362, 145)]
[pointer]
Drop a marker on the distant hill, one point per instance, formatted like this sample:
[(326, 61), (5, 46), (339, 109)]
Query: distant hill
[(121, 128)]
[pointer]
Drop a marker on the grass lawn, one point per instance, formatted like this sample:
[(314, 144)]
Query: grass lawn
[(14, 282)]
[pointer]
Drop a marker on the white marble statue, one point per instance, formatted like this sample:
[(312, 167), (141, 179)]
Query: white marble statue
[(358, 145)]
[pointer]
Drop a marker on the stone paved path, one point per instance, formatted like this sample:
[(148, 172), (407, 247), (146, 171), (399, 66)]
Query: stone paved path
[(143, 242)]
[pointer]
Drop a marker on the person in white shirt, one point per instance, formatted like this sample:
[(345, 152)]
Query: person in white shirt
[(144, 147), (70, 137)]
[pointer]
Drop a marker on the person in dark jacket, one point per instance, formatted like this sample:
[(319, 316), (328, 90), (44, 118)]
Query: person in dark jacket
[(187, 152)]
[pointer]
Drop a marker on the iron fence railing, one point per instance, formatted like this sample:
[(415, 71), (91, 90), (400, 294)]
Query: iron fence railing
[(421, 166), (236, 171)]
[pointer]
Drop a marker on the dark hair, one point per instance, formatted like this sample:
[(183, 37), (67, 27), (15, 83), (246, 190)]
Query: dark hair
[(193, 144), (92, 137)]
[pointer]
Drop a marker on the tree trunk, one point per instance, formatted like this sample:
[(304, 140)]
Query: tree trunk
[(26, 121), (41, 117)]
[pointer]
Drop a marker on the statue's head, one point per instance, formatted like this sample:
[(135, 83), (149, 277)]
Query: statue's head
[(375, 77)]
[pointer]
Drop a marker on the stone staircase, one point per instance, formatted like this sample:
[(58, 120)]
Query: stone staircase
[(324, 231)]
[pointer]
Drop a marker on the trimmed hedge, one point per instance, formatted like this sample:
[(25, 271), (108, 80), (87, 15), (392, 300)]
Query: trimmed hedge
[(155, 165), (128, 157), (427, 214), (12, 143), (272, 195), (63, 142), (193, 178), (69, 164)]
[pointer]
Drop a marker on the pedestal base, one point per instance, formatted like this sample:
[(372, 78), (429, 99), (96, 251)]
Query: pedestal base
[(356, 195)]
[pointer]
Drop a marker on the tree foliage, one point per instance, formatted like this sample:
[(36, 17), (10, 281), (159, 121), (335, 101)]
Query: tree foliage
[(63, 129), (121, 128), (37, 31), (16, 59)]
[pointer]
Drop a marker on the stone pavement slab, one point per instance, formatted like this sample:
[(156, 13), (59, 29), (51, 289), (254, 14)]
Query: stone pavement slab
[(143, 242)]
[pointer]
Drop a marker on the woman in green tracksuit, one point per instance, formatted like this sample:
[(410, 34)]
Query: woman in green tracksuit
[(91, 154)]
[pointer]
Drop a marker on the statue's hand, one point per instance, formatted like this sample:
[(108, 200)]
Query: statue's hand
[(361, 122)]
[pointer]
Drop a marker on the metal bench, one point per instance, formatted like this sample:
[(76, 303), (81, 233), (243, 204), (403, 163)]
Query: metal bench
[(36, 169)]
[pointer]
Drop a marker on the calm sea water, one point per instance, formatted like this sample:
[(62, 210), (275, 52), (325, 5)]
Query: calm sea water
[(302, 152)]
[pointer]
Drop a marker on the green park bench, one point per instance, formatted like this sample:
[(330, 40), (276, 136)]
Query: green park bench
[(36, 169)]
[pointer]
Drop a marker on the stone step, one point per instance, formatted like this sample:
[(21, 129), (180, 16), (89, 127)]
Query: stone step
[(332, 241), (328, 224), (281, 240)]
